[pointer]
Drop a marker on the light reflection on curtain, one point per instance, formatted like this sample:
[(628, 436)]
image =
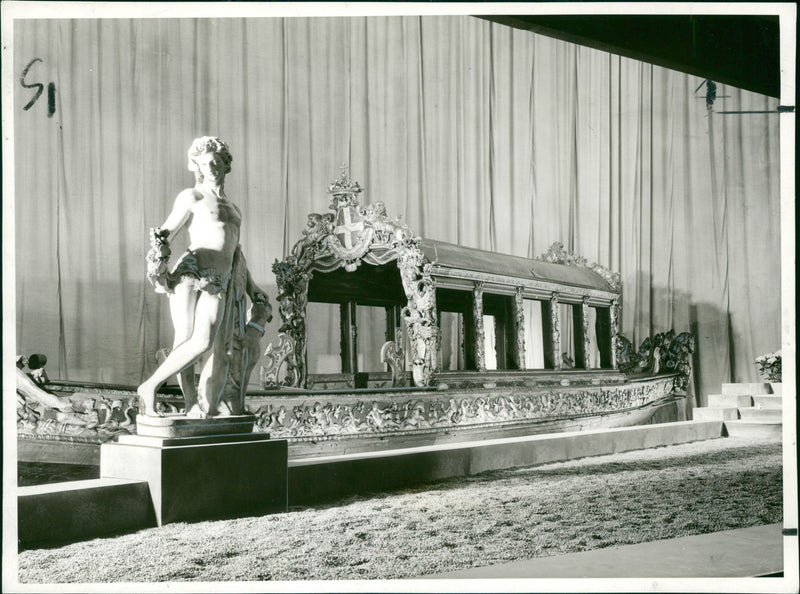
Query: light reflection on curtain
[(323, 319), (475, 133), (489, 342), (534, 346), (452, 341), (371, 326)]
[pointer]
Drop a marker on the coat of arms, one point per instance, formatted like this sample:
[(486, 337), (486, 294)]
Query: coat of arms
[(352, 235)]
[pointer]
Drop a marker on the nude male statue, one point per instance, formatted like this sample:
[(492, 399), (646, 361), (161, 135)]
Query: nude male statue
[(208, 280)]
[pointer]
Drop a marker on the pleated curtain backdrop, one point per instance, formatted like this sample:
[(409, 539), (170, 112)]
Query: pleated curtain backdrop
[(473, 132)]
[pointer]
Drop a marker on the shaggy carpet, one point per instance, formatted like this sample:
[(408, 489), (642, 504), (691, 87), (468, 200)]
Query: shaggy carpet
[(496, 517)]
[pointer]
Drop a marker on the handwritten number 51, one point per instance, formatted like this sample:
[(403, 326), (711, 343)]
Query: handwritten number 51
[(51, 90)]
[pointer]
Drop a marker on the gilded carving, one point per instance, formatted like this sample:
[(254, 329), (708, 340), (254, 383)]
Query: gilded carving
[(93, 417), (614, 319), (420, 311), (344, 239), (362, 417), (292, 281), (558, 255), (274, 358), (555, 325), (477, 316), (519, 326), (587, 363), (90, 418), (392, 354)]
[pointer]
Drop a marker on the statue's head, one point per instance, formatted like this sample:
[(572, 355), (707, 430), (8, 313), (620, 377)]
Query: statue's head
[(208, 144)]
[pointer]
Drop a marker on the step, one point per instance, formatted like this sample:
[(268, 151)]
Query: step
[(771, 415), (322, 478), (768, 402), (738, 553), (80, 510), (754, 429), (715, 413), (777, 388), (746, 389), (729, 400)]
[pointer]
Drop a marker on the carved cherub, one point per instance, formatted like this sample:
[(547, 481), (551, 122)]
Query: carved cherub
[(392, 230), (317, 227)]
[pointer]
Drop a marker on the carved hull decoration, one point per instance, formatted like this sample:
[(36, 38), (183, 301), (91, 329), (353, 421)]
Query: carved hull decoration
[(99, 415), (331, 417), (93, 417), (344, 239)]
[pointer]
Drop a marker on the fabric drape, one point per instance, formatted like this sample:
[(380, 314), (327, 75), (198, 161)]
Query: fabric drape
[(473, 132)]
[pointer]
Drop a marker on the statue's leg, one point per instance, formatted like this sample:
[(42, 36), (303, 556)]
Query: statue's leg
[(205, 391), (197, 408), (207, 320), (183, 303), (214, 377)]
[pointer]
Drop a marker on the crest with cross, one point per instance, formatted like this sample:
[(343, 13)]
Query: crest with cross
[(349, 229), (351, 232)]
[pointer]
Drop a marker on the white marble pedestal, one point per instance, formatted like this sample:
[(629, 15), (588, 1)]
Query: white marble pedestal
[(203, 477), (178, 425)]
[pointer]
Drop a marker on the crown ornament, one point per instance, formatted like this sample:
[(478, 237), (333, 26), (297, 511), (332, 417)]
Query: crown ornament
[(344, 191)]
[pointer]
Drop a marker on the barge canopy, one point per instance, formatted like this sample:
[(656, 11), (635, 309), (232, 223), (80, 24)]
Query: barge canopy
[(445, 307)]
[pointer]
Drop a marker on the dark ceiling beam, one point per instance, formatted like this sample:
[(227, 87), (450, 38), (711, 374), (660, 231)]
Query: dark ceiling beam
[(742, 51)]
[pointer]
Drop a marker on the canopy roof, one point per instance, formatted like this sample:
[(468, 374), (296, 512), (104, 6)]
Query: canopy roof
[(457, 257)]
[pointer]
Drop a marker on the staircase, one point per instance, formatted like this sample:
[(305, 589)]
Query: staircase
[(746, 410)]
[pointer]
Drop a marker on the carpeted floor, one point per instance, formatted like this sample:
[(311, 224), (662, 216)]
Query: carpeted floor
[(492, 518)]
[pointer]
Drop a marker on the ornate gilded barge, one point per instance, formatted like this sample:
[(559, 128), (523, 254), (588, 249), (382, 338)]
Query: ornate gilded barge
[(437, 343)]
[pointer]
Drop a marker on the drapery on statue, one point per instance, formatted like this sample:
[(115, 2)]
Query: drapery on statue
[(206, 289)]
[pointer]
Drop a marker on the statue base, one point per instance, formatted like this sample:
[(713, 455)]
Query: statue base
[(179, 425), (203, 477)]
